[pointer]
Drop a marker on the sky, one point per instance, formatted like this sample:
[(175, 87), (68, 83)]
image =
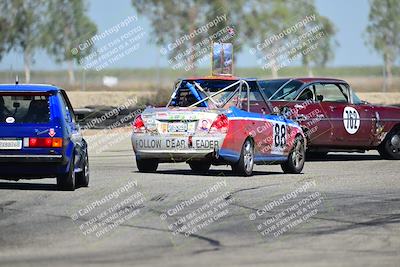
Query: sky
[(349, 17)]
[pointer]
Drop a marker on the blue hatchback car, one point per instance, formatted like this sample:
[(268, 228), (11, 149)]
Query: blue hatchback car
[(39, 137)]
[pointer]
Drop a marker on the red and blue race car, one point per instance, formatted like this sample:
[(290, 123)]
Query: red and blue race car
[(217, 120)]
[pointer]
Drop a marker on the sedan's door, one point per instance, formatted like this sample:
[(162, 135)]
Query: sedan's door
[(351, 123)]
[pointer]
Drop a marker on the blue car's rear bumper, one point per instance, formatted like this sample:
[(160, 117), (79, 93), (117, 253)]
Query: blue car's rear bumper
[(31, 166)]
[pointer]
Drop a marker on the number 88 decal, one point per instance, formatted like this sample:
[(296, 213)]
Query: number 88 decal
[(280, 136), (351, 120)]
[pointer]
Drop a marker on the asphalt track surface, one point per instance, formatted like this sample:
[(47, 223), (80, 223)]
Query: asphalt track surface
[(346, 213)]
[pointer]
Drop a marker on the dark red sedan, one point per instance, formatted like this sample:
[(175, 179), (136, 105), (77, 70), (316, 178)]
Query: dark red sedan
[(334, 118)]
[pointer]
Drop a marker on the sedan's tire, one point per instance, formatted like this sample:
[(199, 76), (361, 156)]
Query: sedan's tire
[(67, 181), (200, 166), (147, 165), (296, 159), (82, 178), (390, 147), (245, 164)]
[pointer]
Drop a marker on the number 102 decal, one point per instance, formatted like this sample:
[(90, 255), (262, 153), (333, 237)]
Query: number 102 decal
[(351, 120)]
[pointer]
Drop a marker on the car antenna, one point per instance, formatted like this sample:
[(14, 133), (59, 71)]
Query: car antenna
[(16, 80)]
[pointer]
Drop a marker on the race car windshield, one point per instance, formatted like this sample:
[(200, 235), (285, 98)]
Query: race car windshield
[(189, 93), (287, 91), (269, 87), (24, 108)]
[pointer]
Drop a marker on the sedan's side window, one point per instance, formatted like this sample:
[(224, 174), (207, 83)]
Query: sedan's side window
[(307, 94), (331, 92)]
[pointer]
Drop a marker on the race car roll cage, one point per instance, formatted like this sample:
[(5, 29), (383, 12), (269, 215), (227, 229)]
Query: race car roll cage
[(210, 96)]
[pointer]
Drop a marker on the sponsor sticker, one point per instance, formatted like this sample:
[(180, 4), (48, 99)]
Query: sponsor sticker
[(10, 120)]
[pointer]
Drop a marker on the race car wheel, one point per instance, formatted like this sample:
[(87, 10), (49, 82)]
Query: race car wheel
[(296, 159), (199, 166), (66, 182), (82, 178), (390, 147), (147, 165), (246, 160)]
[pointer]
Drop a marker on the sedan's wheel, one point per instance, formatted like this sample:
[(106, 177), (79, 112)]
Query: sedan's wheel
[(66, 182), (246, 160), (82, 178), (200, 166), (147, 165), (390, 147), (297, 156)]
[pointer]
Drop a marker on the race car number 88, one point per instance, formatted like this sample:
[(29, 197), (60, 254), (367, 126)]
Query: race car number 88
[(280, 135)]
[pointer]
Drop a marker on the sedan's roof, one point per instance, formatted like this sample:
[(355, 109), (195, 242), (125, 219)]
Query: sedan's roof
[(309, 79), (28, 88)]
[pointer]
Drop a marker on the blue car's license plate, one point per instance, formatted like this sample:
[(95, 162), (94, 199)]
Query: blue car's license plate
[(10, 144)]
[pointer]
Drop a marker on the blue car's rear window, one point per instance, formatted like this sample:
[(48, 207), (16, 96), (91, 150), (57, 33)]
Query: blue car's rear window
[(24, 108)]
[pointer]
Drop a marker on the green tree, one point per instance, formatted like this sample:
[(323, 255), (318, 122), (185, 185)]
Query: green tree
[(172, 20), (383, 33), (66, 33), (25, 24), (323, 51), (269, 18)]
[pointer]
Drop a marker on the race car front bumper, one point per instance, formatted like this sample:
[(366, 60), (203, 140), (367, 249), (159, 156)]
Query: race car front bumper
[(173, 148)]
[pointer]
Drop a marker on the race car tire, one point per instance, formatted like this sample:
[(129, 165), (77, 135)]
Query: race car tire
[(296, 159), (82, 178), (390, 147), (67, 181), (316, 155), (245, 164), (147, 165), (199, 166)]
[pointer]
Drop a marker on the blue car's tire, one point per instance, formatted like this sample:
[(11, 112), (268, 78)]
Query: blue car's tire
[(82, 178), (67, 181)]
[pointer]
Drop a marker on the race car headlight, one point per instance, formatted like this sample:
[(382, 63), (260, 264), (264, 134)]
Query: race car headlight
[(138, 125), (220, 124)]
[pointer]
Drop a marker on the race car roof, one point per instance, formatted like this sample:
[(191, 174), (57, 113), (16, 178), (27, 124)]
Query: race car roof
[(225, 78), (28, 88)]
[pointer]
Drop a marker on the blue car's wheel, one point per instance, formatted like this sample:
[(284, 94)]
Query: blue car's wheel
[(82, 178), (66, 182)]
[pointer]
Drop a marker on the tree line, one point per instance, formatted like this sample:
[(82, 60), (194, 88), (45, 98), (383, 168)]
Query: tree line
[(57, 26)]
